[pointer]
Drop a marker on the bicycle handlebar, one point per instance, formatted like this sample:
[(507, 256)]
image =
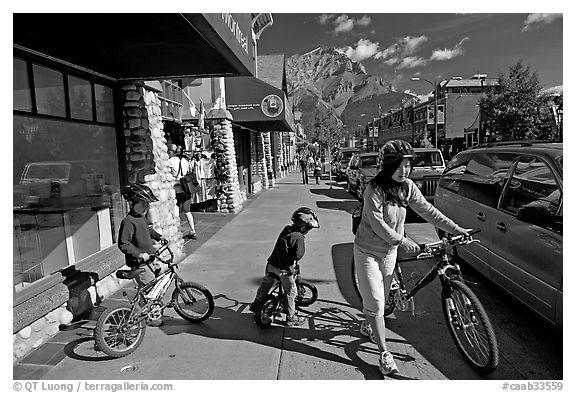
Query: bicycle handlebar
[(158, 252), (429, 249)]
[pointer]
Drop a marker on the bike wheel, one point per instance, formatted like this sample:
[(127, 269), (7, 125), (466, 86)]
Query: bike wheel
[(115, 334), (265, 314), (470, 327), (193, 302), (307, 293)]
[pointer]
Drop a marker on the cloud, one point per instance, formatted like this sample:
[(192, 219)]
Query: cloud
[(554, 90), (344, 23), (412, 62), (364, 49), (447, 54), (533, 21), (325, 18)]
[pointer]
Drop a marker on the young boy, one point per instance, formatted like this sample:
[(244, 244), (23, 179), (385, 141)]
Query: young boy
[(135, 236), (288, 250)]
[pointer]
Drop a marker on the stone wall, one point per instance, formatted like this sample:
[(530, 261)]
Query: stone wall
[(229, 197), (258, 162)]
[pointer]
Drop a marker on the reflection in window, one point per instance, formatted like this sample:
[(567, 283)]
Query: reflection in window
[(22, 96), (66, 195), (104, 103), (49, 89), (80, 92)]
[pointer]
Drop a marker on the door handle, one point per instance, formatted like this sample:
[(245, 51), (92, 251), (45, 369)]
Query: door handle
[(501, 226), (481, 216)]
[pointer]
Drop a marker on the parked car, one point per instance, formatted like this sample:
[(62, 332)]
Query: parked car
[(513, 192), (427, 167), (340, 165), (362, 168)]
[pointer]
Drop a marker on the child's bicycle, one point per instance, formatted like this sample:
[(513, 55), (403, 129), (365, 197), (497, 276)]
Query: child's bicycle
[(120, 329), (465, 316), (272, 305)]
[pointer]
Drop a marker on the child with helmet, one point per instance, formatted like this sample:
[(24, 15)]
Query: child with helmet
[(381, 233), (288, 250), (135, 235)]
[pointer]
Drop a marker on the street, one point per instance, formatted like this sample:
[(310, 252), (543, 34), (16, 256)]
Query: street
[(230, 346)]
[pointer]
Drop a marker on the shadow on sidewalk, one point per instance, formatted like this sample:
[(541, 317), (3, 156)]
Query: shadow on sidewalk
[(334, 193)]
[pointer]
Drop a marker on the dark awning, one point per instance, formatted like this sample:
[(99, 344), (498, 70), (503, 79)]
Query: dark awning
[(256, 105), (143, 46)]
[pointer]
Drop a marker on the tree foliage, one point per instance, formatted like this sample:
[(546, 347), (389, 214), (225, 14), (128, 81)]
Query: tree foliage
[(327, 130), (514, 110)]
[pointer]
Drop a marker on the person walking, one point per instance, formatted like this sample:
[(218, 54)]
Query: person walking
[(304, 168), (317, 170), (179, 167), (381, 233)]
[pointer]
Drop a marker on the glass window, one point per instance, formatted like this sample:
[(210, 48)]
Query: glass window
[(533, 193), (22, 96), (451, 177), (80, 93), (427, 158), (67, 203), (49, 90), (369, 161), (485, 176), (104, 103)]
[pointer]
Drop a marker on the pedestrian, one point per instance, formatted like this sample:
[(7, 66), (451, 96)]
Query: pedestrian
[(381, 233), (288, 250), (304, 168), (135, 235), (317, 170), (311, 162), (179, 167)]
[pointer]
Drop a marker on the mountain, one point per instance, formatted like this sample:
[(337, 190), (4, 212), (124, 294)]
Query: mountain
[(325, 80)]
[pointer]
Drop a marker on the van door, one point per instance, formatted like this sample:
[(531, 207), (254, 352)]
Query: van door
[(527, 237), (480, 189)]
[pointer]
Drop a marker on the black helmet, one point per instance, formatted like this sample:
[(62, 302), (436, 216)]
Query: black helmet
[(135, 192), (305, 217), (396, 149)]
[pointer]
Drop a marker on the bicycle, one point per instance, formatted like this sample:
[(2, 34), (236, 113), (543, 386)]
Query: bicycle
[(467, 321), (272, 305), (120, 329)]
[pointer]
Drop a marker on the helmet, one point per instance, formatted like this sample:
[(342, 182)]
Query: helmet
[(305, 217), (135, 192), (396, 149)]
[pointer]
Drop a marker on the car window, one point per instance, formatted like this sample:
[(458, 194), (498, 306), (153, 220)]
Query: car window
[(427, 158), (485, 176), (452, 175), (533, 194), (46, 171), (369, 161)]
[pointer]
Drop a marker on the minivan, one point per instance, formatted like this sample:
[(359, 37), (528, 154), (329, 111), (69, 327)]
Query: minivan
[(513, 192)]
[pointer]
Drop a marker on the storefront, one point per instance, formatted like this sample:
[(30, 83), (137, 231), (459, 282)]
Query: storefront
[(86, 122)]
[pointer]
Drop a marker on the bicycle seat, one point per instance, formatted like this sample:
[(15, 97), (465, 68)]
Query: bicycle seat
[(128, 274)]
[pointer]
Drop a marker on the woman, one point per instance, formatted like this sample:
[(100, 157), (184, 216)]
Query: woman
[(381, 232)]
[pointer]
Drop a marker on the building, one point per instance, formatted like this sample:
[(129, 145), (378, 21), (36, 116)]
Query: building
[(95, 97)]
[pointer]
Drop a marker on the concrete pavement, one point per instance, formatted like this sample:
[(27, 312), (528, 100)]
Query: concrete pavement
[(230, 346)]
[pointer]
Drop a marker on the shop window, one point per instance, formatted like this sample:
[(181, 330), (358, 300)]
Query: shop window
[(485, 177), (49, 91), (22, 96), (80, 93), (104, 103), (67, 201)]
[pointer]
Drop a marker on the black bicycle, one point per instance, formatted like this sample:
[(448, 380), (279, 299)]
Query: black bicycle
[(272, 305), (465, 316), (120, 329)]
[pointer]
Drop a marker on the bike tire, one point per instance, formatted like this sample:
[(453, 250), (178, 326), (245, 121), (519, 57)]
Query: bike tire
[(307, 293), (114, 343), (265, 314), (196, 305), (471, 329)]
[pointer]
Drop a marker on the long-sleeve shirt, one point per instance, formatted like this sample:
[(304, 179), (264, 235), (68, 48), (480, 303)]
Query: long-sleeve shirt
[(382, 225), (288, 249), (135, 237)]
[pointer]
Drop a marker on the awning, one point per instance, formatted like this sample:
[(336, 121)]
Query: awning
[(256, 105), (142, 46)]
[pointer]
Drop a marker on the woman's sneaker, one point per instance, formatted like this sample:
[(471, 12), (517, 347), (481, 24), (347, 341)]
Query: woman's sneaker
[(295, 320), (366, 331), (387, 364)]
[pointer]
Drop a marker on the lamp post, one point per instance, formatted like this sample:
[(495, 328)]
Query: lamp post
[(417, 78)]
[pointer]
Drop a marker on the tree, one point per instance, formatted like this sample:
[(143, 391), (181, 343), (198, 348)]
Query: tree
[(327, 130), (514, 110)]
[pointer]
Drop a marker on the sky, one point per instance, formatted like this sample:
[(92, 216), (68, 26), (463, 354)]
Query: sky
[(430, 45)]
